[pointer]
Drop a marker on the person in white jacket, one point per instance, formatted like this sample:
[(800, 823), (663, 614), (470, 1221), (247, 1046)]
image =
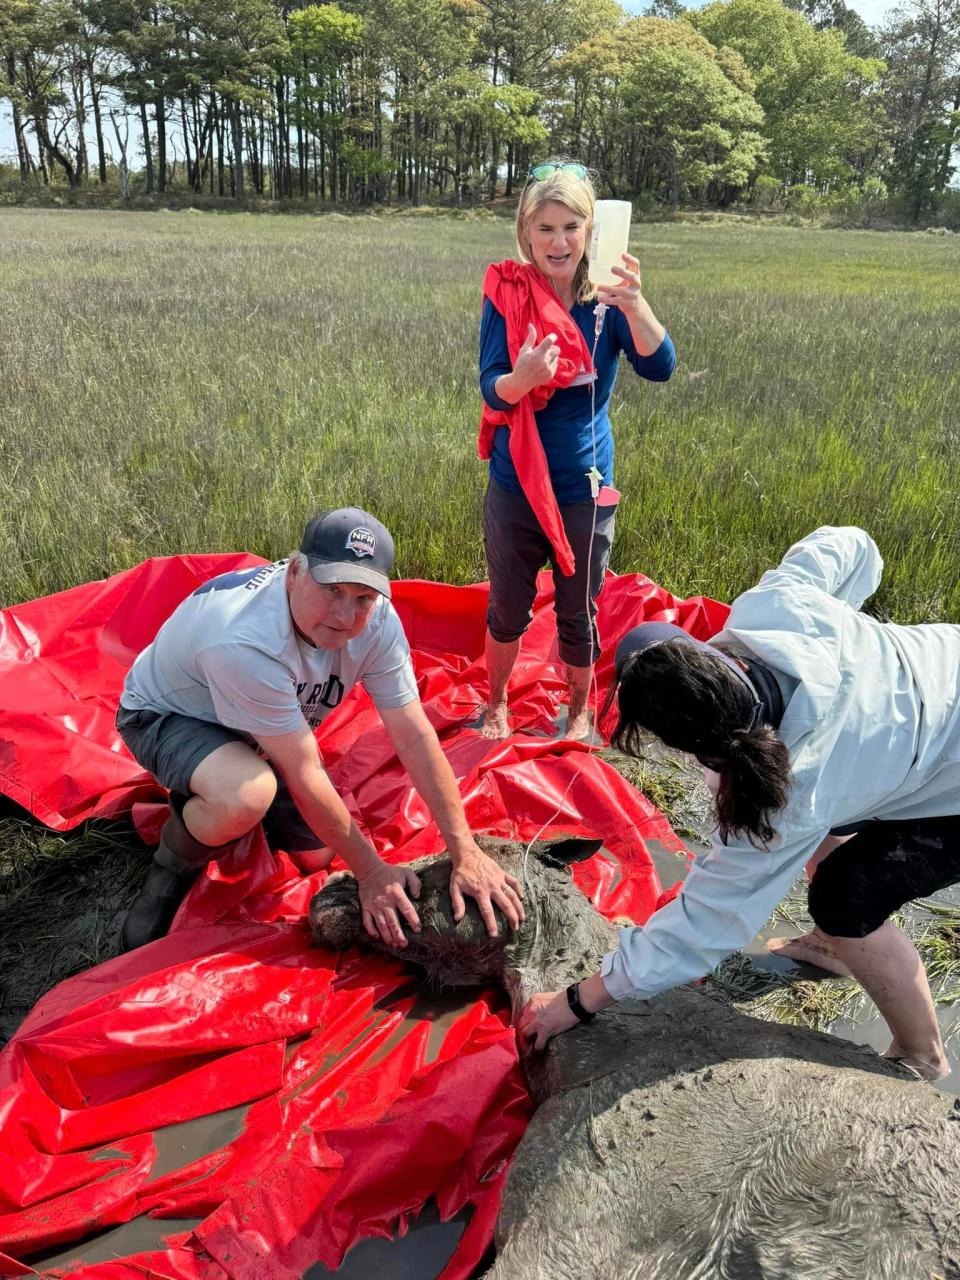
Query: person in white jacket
[(812, 717)]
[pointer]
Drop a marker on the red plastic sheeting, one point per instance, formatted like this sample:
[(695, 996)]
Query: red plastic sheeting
[(62, 662), (280, 1102)]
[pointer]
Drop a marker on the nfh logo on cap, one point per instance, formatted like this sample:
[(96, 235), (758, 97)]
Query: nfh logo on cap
[(361, 542)]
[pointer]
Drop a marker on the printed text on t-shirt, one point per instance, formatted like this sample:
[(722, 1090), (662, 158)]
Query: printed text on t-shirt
[(326, 696)]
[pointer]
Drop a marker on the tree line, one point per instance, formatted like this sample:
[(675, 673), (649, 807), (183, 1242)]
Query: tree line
[(382, 101)]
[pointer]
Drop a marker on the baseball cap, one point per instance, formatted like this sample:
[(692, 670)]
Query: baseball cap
[(648, 635), (349, 545)]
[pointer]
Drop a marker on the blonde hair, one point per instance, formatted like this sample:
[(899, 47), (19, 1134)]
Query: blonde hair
[(578, 195)]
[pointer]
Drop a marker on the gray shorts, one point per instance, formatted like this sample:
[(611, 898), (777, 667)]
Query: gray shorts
[(517, 549), (170, 746)]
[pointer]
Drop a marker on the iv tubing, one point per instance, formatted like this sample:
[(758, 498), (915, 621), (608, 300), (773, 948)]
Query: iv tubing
[(599, 314)]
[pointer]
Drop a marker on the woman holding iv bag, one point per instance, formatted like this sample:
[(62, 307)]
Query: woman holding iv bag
[(548, 363)]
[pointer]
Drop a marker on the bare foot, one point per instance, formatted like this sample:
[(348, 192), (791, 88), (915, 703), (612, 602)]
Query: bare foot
[(496, 723), (932, 1067), (579, 728), (811, 948)]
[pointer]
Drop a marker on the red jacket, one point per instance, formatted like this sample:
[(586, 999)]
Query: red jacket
[(523, 297)]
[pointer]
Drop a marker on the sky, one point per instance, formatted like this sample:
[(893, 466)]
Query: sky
[(872, 12)]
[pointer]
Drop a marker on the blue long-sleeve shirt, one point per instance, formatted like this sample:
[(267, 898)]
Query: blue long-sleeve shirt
[(564, 423)]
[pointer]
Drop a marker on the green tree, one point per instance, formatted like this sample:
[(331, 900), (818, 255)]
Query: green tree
[(91, 54), (664, 9), (324, 43), (43, 80), (703, 129), (508, 113), (143, 38), (824, 14), (422, 44), (236, 52), (16, 39), (524, 41), (695, 120), (922, 100), (821, 108)]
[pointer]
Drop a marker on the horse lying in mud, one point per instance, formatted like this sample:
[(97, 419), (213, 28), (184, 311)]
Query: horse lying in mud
[(677, 1138)]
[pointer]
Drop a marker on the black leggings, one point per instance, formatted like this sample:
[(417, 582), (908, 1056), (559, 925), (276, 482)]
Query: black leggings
[(864, 881), (517, 548)]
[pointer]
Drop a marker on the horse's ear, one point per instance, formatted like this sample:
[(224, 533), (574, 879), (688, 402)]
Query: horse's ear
[(563, 853)]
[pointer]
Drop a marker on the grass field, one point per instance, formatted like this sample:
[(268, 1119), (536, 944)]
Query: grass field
[(182, 381), (202, 382)]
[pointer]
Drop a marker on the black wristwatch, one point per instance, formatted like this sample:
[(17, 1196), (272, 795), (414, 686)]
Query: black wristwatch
[(573, 1000)]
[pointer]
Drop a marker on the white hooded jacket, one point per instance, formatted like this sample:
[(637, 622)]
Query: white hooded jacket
[(871, 721)]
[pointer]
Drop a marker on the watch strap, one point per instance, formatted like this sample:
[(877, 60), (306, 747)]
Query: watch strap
[(573, 1000)]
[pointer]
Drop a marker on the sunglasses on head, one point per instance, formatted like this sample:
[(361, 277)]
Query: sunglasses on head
[(541, 171)]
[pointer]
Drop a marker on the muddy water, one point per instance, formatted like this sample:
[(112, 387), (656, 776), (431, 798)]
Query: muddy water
[(869, 1028), (558, 731), (866, 1025), (421, 1254), (593, 739), (180, 1144), (671, 867), (177, 1145), (142, 1235), (440, 1010)]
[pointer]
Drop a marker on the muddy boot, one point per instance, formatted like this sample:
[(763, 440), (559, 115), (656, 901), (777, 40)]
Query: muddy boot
[(285, 827), (177, 862)]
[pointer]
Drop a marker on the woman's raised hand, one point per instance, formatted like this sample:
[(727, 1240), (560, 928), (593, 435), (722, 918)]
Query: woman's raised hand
[(537, 361), (627, 293)]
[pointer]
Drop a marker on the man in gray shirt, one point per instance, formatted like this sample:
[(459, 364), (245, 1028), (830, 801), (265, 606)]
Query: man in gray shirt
[(221, 708)]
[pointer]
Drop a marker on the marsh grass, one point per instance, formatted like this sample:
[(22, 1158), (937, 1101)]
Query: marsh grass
[(939, 945), (197, 382), (670, 781), (822, 1003), (62, 898)]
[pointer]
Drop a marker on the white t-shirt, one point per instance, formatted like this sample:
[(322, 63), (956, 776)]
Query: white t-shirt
[(229, 653)]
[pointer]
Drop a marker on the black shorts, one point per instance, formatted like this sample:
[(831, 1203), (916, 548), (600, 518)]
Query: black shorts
[(170, 746), (517, 549), (886, 864)]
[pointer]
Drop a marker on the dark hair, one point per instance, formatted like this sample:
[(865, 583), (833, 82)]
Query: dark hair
[(695, 703)]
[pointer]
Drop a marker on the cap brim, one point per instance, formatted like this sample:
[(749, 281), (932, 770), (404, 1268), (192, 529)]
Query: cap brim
[(325, 572), (647, 636)]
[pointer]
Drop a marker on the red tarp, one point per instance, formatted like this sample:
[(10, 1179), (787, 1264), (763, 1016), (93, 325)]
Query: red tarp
[(274, 1102)]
